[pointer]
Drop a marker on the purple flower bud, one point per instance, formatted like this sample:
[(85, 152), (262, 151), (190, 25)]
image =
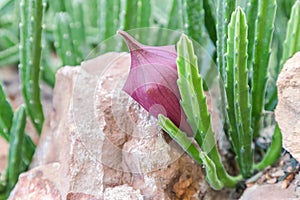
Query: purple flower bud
[(152, 80)]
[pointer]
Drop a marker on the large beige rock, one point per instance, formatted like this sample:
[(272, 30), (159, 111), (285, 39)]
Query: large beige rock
[(100, 144), (288, 109)]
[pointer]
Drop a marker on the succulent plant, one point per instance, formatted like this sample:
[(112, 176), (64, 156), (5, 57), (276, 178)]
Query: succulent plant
[(240, 41), (152, 81)]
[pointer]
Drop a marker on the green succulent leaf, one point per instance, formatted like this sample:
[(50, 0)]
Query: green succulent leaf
[(9, 56), (110, 22), (176, 21), (190, 86), (224, 10), (6, 114), (273, 152), (16, 141), (179, 136), (237, 90), (281, 22), (195, 20), (77, 27), (6, 120), (252, 9), (137, 15), (262, 48), (193, 102), (292, 40), (210, 19), (30, 58), (211, 172), (64, 45)]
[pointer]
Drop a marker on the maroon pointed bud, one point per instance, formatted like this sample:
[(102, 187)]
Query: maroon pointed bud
[(152, 80)]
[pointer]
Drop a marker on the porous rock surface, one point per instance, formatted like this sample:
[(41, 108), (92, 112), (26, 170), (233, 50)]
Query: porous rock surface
[(100, 144), (288, 109)]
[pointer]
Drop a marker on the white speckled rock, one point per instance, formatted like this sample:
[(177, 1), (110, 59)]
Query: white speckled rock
[(288, 109)]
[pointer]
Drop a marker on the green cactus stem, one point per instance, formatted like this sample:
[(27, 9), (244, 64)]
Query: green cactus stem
[(195, 21), (237, 90), (194, 104), (262, 49), (292, 40), (30, 57), (6, 114), (16, 141)]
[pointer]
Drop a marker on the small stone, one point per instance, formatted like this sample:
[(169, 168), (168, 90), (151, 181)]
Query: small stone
[(290, 177), (297, 191), (268, 177), (272, 181), (278, 173), (285, 184), (250, 184)]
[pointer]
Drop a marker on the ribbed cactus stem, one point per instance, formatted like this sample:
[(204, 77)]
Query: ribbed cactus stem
[(224, 10), (273, 152), (262, 49), (110, 22), (143, 13), (16, 141), (252, 9), (237, 90), (64, 43), (194, 104), (195, 20), (210, 20), (9, 56), (137, 15), (292, 39), (176, 16), (6, 114), (77, 28), (180, 137), (30, 57)]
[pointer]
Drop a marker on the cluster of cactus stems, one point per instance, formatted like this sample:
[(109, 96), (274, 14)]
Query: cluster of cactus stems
[(65, 45), (140, 19), (284, 19), (70, 35), (243, 50)]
